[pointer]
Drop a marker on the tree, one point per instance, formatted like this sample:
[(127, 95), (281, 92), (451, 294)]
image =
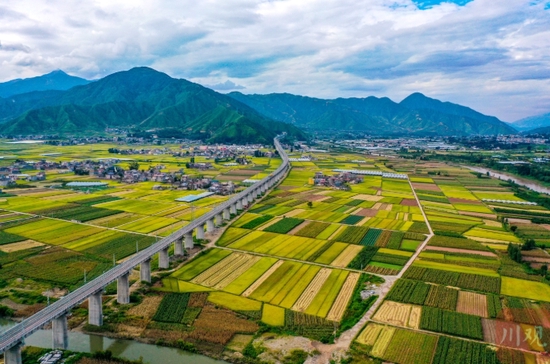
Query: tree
[(513, 228), (543, 270), (529, 245), (514, 252), (309, 204), (134, 166)]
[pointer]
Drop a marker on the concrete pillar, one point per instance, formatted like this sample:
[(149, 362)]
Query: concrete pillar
[(189, 240), (226, 214), (210, 225), (239, 205), (258, 193), (145, 271), (164, 261), (13, 355), (200, 232), (250, 197), (244, 201), (219, 219), (123, 289), (178, 247), (233, 209), (60, 332), (95, 309)]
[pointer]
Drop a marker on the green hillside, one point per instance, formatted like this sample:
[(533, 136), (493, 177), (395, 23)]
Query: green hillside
[(139, 98), (416, 115)]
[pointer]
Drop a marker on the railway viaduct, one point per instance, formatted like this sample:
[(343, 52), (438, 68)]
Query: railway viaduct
[(12, 340)]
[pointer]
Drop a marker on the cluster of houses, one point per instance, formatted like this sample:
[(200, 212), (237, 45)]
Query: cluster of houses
[(340, 181)]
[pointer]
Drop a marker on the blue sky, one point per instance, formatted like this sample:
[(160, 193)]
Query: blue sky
[(491, 55)]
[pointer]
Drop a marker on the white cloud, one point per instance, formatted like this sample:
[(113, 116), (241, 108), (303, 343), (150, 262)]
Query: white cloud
[(493, 55)]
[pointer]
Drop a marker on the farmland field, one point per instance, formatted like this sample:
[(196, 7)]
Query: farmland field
[(296, 261)]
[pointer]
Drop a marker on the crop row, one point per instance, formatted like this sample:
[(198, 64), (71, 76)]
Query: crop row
[(353, 234), (172, 308), (96, 200), (352, 219), (312, 229), (442, 297), (384, 238), (473, 282), (390, 259), (371, 237), (414, 236), (257, 222), (285, 225), (7, 238), (453, 323), (410, 347), (456, 351), (494, 307), (395, 240), (122, 247), (310, 326), (363, 258), (444, 227), (408, 291), (84, 213), (457, 243)]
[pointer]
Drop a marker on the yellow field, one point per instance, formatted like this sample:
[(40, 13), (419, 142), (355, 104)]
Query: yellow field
[(339, 306), (369, 334), (311, 291)]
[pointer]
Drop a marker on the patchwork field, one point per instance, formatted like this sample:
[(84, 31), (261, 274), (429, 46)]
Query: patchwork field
[(274, 283)]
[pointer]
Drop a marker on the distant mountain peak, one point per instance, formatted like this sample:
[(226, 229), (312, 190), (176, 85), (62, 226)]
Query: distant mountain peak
[(55, 80)]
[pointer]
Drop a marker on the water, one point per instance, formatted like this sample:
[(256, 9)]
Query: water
[(127, 349), (520, 181)]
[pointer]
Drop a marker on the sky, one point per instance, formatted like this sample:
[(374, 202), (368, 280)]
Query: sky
[(491, 55)]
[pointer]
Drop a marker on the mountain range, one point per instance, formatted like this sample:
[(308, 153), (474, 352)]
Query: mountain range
[(415, 115), (533, 124), (145, 99), (139, 98), (56, 80)]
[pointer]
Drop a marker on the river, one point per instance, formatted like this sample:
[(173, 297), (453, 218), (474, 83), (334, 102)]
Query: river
[(505, 177), (128, 349)]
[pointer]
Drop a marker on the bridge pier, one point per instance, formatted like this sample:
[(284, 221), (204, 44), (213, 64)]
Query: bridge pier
[(13, 355), (145, 271), (60, 332), (226, 214), (189, 240), (164, 261), (264, 188), (123, 289), (95, 309), (219, 220), (250, 198), (178, 246), (258, 193), (210, 225), (239, 205), (233, 209), (200, 232)]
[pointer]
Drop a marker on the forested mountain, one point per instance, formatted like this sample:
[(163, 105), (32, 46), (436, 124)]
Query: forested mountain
[(56, 80), (415, 115), (532, 123), (139, 98)]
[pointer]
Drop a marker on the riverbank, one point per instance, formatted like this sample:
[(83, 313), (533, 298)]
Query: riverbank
[(530, 184)]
